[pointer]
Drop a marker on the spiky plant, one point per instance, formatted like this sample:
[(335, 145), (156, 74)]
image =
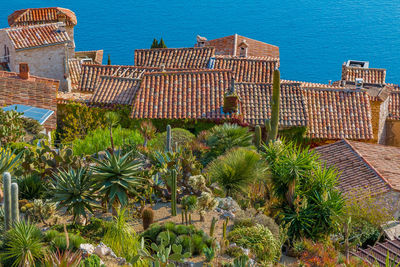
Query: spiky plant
[(118, 177), (9, 159), (147, 130), (74, 190), (63, 258), (222, 138), (24, 246), (236, 170)]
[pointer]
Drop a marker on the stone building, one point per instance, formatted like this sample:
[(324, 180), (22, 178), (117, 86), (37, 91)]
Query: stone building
[(22, 88)]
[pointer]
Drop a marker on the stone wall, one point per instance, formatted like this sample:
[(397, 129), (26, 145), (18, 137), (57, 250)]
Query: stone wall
[(48, 62), (30, 93), (391, 201), (392, 133)]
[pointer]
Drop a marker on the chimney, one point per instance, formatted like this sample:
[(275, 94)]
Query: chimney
[(162, 67), (231, 100), (24, 71), (201, 41)]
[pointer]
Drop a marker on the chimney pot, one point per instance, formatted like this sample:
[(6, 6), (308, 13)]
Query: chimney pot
[(24, 71)]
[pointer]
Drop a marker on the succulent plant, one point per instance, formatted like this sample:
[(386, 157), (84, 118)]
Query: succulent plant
[(147, 217)]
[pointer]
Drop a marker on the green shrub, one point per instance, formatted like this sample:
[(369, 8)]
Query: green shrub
[(32, 126), (189, 202), (99, 140), (259, 240), (234, 251), (172, 237), (180, 136), (31, 187), (50, 235), (182, 230), (170, 226), (186, 243), (92, 261)]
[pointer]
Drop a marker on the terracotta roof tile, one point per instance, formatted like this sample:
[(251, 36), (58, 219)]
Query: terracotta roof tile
[(115, 91), (33, 16), (75, 66), (91, 74), (358, 175), (369, 75), (313, 85), (178, 95), (186, 58), (337, 114), (248, 69), (376, 255), (256, 108), (394, 105), (36, 36)]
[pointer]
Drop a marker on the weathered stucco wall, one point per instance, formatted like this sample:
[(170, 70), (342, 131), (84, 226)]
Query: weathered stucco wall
[(4, 40), (379, 113), (48, 62), (392, 133)]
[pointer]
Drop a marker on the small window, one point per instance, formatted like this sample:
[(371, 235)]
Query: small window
[(243, 51)]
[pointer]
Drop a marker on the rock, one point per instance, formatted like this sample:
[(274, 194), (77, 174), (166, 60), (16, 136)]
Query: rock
[(87, 249), (121, 261), (228, 204), (102, 250), (228, 214), (246, 251)]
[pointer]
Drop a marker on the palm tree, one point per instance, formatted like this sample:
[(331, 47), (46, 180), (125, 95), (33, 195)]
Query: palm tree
[(118, 177), (74, 190), (112, 120), (236, 170), (147, 130)]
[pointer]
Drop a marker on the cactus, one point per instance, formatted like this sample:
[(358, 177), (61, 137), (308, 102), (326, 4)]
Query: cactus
[(168, 142), (7, 199), (173, 197), (147, 217), (14, 204), (267, 129), (224, 225), (275, 101), (257, 131), (186, 215), (183, 216), (190, 218), (212, 227)]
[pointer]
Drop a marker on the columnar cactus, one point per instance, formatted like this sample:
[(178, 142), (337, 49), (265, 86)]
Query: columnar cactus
[(275, 101), (14, 204), (212, 228), (257, 131), (173, 197), (7, 199), (168, 143)]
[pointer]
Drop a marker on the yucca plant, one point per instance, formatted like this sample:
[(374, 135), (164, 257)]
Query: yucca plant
[(75, 191), (24, 246), (147, 130), (118, 177), (65, 258), (112, 120), (236, 170), (8, 159)]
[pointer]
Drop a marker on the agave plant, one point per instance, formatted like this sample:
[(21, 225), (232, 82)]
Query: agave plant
[(118, 176), (24, 246), (8, 159), (74, 190)]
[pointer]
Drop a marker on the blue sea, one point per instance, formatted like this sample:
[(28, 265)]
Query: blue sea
[(315, 36)]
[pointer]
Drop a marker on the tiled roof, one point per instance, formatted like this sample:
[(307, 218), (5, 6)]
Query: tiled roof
[(95, 55), (115, 90), (33, 16), (53, 83), (91, 74), (378, 253), (394, 105), (36, 36), (313, 85), (337, 114), (357, 176), (75, 96), (248, 69), (75, 66), (256, 107), (369, 75), (178, 95), (186, 58)]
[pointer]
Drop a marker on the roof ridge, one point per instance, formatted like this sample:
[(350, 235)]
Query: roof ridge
[(250, 58), (368, 164), (178, 48), (185, 71), (31, 26)]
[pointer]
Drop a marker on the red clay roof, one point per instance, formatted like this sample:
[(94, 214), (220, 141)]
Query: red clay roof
[(394, 106), (180, 95), (369, 75), (358, 171), (115, 90), (33, 16), (36, 36), (256, 107), (337, 114), (248, 69), (75, 66), (378, 253), (186, 58)]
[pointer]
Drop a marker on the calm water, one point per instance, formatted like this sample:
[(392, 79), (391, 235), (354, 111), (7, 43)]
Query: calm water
[(315, 36)]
